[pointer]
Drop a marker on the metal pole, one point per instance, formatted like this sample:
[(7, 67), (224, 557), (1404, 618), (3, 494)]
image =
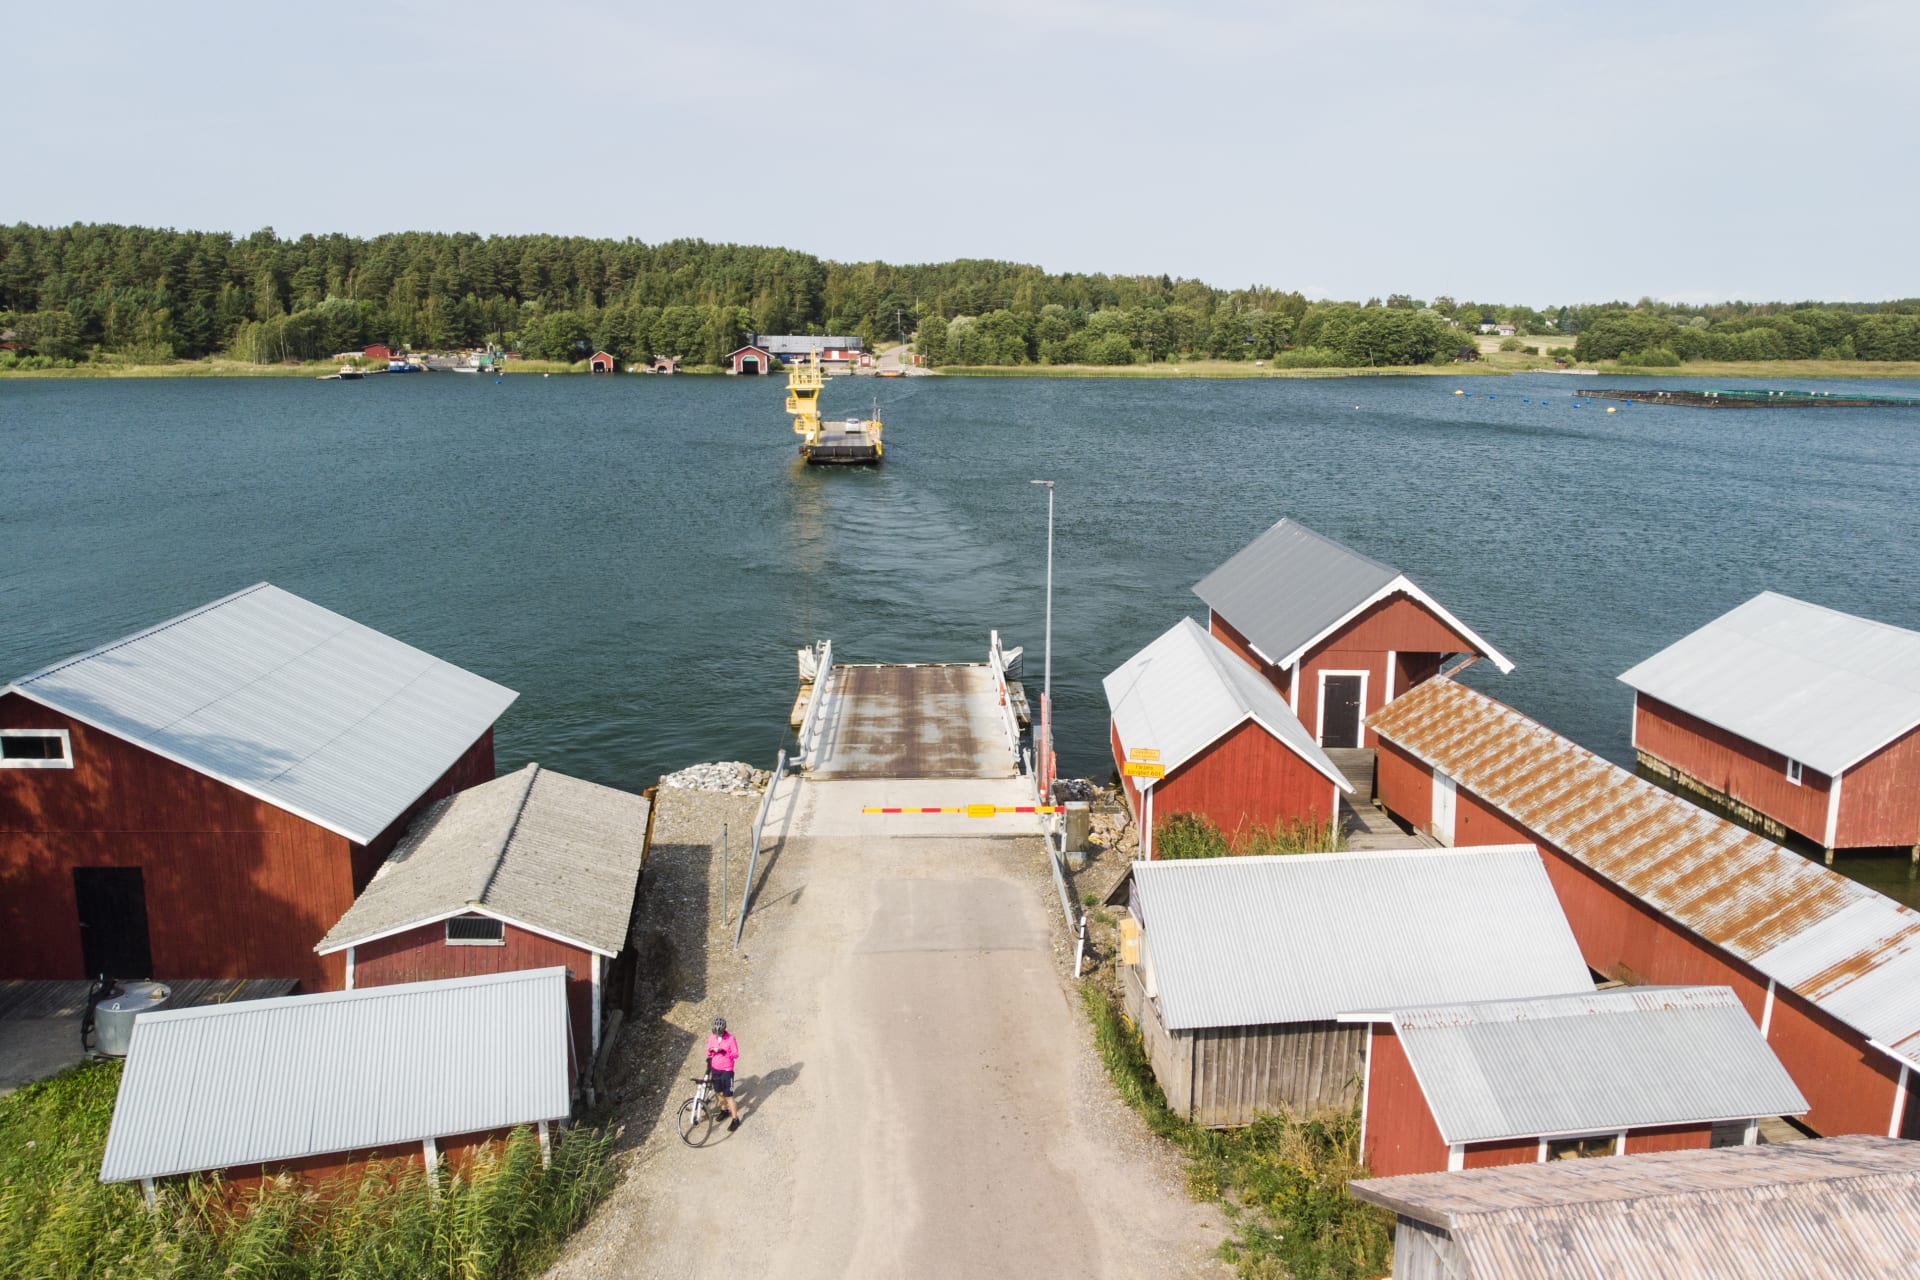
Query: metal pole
[(1046, 693), (724, 913)]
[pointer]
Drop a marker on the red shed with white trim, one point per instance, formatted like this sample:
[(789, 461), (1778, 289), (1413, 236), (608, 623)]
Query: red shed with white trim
[(1792, 717), (202, 799), (1339, 634), (750, 360), (1659, 890), (1227, 745), (530, 870)]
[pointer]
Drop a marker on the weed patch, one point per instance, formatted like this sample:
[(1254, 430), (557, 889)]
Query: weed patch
[(1282, 1179), (502, 1215)]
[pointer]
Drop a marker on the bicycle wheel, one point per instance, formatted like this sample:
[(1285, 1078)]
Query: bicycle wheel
[(695, 1132)]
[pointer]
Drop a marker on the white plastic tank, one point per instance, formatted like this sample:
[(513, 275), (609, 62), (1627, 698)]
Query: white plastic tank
[(113, 1018)]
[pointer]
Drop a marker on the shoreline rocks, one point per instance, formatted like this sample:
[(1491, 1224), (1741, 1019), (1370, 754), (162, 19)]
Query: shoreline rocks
[(734, 776)]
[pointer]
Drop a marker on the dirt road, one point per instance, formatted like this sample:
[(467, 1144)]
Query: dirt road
[(919, 1094)]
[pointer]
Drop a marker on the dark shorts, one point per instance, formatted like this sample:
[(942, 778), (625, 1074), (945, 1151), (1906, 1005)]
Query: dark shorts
[(723, 1083)]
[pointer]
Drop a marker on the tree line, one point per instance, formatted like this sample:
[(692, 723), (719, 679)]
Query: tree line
[(150, 295)]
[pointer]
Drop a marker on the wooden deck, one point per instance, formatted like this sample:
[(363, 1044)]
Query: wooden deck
[(23, 1000)]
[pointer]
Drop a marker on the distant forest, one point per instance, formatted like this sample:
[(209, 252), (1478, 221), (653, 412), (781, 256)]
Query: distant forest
[(147, 296)]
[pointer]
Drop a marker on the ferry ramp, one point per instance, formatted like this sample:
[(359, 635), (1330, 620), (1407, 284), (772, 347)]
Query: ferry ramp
[(917, 720)]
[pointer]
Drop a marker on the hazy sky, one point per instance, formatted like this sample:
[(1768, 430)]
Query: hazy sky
[(1513, 152)]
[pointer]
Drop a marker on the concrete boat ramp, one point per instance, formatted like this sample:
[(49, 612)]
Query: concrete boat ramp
[(919, 1089)]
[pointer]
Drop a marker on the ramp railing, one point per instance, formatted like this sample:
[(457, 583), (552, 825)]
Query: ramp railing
[(997, 659), (753, 841), (803, 754)]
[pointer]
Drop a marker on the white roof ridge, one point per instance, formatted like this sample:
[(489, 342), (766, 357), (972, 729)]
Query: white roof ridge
[(389, 991), (1338, 855), (531, 772)]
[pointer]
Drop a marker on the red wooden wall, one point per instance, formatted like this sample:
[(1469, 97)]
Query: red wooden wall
[(1398, 625), (1880, 798), (235, 887), (1401, 1134), (344, 1169), (1745, 771), (1673, 1137), (421, 955), (1246, 777), (1850, 1086)]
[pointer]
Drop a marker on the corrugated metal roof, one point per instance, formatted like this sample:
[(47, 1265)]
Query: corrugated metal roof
[(1849, 949), (286, 701), (1817, 685), (1290, 586), (1182, 692), (800, 344), (1593, 1062), (536, 847), (1833, 1209), (1250, 941), (269, 1080)]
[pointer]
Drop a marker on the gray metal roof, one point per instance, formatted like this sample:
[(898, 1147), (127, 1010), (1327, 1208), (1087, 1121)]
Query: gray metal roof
[(1592, 1062), (1304, 938), (1290, 587), (1833, 1209), (800, 344), (1822, 687), (1182, 692), (1849, 949), (557, 854), (270, 1080), (284, 700)]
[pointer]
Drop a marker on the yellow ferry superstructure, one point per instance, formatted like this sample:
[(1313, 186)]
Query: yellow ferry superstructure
[(849, 442)]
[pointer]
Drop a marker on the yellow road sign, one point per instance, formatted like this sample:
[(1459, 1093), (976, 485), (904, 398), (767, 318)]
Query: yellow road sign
[(1141, 769), (1150, 754)]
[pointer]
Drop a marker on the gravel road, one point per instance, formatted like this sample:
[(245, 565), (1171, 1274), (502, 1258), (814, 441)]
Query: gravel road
[(919, 1090)]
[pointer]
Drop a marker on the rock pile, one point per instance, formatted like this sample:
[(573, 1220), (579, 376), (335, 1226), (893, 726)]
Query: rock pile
[(1065, 789), (735, 776)]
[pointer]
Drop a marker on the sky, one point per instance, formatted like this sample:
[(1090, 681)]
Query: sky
[(1522, 153)]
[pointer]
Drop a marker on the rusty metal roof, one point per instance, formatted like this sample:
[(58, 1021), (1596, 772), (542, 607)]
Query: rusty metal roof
[(1849, 949), (1833, 1209)]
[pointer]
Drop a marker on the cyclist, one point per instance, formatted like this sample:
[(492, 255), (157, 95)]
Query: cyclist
[(723, 1051)]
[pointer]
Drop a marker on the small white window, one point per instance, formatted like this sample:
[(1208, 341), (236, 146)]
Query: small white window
[(35, 749), (475, 931), (1793, 772)]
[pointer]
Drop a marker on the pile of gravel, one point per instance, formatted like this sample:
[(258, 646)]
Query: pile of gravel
[(735, 776)]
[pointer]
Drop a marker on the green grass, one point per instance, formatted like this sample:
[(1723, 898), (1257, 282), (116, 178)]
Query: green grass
[(1282, 1180), (1192, 835), (500, 1216)]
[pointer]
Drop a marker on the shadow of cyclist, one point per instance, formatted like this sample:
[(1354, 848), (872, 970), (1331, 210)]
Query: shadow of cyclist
[(751, 1091)]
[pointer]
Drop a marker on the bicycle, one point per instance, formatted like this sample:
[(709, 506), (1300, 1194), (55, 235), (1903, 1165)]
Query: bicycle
[(701, 1114)]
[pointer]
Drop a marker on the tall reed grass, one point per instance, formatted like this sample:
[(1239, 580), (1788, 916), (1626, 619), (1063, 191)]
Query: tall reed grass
[(1282, 1179), (501, 1215), (1192, 835)]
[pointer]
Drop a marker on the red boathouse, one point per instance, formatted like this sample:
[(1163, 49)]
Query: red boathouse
[(1792, 717), (1339, 634), (1227, 745), (530, 870), (750, 360), (1661, 891), (202, 799)]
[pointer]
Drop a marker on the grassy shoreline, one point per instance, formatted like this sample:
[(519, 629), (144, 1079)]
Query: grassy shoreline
[(1492, 365)]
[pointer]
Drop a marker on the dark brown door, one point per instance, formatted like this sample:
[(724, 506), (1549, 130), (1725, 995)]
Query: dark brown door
[(113, 921), (1340, 712)]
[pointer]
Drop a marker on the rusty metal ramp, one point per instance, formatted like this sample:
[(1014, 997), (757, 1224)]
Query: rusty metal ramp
[(914, 721)]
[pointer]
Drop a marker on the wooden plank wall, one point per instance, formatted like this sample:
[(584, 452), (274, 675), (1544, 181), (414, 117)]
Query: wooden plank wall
[(1240, 1073), (1171, 1055)]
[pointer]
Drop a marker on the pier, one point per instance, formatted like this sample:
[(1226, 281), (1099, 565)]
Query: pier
[(1748, 398)]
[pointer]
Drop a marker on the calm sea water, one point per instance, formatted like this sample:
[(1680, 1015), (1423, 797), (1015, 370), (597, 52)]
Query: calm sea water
[(640, 557)]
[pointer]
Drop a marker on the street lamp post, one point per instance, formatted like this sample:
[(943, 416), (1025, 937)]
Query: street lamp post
[(1046, 693)]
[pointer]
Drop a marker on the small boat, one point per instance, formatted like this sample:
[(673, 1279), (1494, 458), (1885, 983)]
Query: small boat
[(345, 375)]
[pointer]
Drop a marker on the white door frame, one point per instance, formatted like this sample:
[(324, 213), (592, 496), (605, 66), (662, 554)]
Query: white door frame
[(1320, 708), (1444, 786)]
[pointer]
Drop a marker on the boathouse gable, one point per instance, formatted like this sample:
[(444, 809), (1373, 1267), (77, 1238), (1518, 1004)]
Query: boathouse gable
[(1338, 633), (750, 359), (1661, 891), (527, 871), (230, 780), (1228, 747), (1791, 717)]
